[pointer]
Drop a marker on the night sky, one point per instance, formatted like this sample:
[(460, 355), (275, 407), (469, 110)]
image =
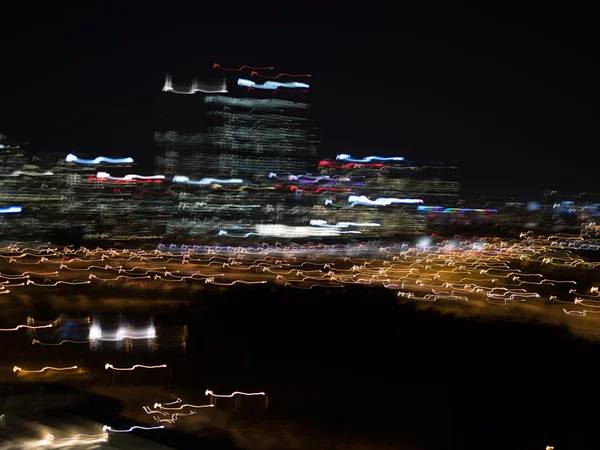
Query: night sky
[(507, 95)]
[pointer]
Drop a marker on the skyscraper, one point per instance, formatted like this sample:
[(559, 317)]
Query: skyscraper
[(245, 125), (223, 139)]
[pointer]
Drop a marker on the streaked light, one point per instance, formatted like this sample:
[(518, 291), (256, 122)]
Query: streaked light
[(11, 210), (106, 176), (95, 333), (233, 394), (323, 223), (203, 181), (346, 157), (136, 366), (272, 85), (129, 430), (363, 200), (100, 159)]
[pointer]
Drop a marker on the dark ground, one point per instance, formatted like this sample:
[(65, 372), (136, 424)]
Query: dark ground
[(355, 361)]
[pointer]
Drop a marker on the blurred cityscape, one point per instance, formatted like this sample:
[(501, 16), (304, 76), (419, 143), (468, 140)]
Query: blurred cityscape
[(237, 158)]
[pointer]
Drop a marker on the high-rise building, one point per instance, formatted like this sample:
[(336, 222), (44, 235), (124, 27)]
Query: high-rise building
[(224, 138), (246, 125)]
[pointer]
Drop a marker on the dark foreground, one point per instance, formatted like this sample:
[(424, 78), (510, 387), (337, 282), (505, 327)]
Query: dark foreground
[(339, 366)]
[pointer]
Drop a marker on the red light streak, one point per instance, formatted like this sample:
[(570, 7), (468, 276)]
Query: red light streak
[(286, 188), (218, 66), (321, 189)]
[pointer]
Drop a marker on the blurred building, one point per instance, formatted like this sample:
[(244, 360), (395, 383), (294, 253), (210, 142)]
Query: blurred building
[(217, 128)]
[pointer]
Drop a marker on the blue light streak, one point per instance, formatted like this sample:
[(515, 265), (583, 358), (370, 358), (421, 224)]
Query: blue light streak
[(346, 157), (11, 210), (100, 159), (272, 85)]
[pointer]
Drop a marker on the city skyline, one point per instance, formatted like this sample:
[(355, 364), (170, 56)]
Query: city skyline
[(424, 93), (290, 226)]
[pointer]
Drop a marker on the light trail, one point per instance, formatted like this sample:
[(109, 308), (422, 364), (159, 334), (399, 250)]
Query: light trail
[(74, 441), (491, 271), (100, 159), (43, 369), (212, 394), (129, 430), (64, 341), (30, 327), (218, 66), (272, 85), (187, 405), (141, 366), (11, 210), (368, 159)]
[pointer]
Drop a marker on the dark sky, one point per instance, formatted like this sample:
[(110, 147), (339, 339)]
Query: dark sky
[(509, 95)]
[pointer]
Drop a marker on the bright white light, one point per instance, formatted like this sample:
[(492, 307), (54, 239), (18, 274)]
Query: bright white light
[(151, 332), (106, 175), (204, 181), (121, 333), (424, 242), (298, 232), (168, 84), (271, 85), (246, 83), (323, 223), (382, 201), (318, 222), (95, 333)]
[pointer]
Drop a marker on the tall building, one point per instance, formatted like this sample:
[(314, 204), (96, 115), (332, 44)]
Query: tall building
[(223, 139), (244, 125)]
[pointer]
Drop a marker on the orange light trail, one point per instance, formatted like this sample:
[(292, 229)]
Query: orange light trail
[(43, 369), (30, 327), (141, 366)]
